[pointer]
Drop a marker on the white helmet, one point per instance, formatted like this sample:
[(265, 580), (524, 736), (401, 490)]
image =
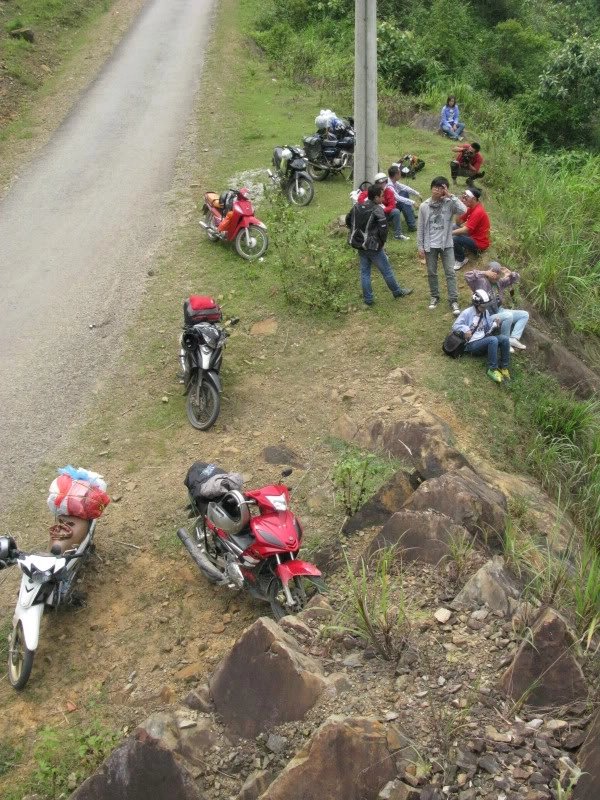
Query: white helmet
[(231, 514), (480, 297), (381, 176)]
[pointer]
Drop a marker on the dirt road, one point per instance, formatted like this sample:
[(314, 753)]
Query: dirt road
[(78, 230)]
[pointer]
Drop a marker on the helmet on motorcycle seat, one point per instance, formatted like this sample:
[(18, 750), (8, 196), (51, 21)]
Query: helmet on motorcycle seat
[(405, 171), (380, 177), (231, 514), (480, 297), (226, 200)]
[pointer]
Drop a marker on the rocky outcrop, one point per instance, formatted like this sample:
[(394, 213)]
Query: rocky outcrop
[(265, 680), (587, 786), (182, 731), (379, 508), (466, 499), (408, 433), (138, 770), (544, 672), (255, 785), (492, 586), (418, 535), (349, 757), (569, 370)]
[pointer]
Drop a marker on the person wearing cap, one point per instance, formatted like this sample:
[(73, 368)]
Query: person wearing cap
[(478, 328), (402, 194), (467, 163), (389, 205), (495, 280), (434, 239), (474, 233), (367, 216)]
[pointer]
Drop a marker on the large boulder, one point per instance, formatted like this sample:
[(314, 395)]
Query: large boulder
[(466, 498), (264, 681), (379, 508), (569, 370), (409, 433), (138, 770), (493, 586), (544, 672), (589, 760), (348, 757), (418, 535)]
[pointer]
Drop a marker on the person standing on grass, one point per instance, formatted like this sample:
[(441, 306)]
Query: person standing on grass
[(478, 329), (389, 205), (474, 233), (494, 281), (434, 239), (402, 194), (368, 234), (467, 163), (449, 122)]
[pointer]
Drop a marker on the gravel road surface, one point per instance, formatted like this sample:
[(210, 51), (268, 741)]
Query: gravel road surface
[(78, 229)]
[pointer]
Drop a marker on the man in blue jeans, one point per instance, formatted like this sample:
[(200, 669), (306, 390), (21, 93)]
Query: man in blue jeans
[(368, 234), (478, 329)]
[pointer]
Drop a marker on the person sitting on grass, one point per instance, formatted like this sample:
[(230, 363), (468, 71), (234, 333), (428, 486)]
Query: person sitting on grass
[(467, 163), (402, 194), (474, 233), (449, 122), (368, 234), (494, 281), (389, 205), (478, 329)]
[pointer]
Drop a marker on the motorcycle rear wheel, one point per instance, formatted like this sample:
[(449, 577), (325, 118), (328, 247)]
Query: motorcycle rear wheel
[(251, 242), (317, 173), (302, 590), (202, 406), (20, 659), (211, 230), (300, 191)]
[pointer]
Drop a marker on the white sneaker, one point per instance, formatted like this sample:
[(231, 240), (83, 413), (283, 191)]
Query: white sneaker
[(460, 264), (402, 238), (511, 349), (518, 344), (455, 308), (433, 301)]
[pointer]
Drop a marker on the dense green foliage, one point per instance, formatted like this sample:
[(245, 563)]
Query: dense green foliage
[(526, 76)]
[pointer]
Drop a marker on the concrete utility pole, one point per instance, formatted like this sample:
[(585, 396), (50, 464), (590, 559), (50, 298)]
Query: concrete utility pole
[(365, 90)]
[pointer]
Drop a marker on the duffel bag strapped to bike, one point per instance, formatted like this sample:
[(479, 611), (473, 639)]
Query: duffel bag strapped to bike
[(78, 493), (313, 146), (200, 308)]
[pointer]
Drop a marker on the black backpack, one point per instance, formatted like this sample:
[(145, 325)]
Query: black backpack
[(358, 220), (454, 344)]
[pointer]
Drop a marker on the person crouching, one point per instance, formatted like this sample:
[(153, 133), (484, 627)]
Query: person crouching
[(478, 328)]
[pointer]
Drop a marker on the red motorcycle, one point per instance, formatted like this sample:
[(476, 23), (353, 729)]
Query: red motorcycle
[(230, 216), (249, 540)]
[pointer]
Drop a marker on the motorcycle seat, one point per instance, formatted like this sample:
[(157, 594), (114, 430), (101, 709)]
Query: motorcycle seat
[(212, 198)]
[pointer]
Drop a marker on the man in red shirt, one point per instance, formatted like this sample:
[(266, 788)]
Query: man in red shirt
[(474, 231), (468, 162), (389, 205)]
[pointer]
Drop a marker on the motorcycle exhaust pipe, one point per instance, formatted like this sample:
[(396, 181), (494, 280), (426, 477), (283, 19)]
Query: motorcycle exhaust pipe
[(203, 224), (206, 568)]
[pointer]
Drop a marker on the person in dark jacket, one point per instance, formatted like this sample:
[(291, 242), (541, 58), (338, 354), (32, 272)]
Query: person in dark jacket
[(368, 234)]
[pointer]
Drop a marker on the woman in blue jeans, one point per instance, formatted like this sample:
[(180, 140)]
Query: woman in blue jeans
[(478, 329), (449, 121)]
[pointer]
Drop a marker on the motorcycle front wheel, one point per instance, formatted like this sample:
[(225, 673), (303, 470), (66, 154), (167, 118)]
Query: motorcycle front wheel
[(300, 191), (317, 173), (20, 659), (301, 589), (251, 242), (202, 406)]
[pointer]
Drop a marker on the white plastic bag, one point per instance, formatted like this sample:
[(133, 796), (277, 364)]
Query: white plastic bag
[(322, 119)]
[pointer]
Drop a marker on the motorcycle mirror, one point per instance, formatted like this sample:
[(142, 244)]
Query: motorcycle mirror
[(286, 472), (55, 550)]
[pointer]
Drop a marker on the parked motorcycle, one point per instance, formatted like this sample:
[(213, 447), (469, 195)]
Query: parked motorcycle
[(230, 216), (250, 540), (48, 581), (330, 151), (291, 176), (201, 355)]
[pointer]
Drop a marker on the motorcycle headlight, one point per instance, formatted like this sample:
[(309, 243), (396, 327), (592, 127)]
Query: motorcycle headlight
[(40, 576)]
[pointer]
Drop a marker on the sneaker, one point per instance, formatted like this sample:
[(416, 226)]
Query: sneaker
[(433, 301), (511, 350), (516, 343), (404, 293), (402, 238), (495, 375), (455, 308), (460, 264), (461, 138), (505, 375)]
